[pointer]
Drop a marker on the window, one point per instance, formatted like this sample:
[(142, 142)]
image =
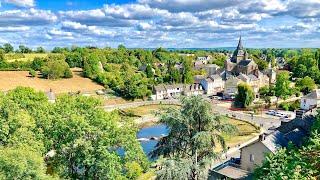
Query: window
[(251, 158)]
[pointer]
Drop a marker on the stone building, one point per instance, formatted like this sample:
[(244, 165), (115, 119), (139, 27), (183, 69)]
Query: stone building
[(240, 63)]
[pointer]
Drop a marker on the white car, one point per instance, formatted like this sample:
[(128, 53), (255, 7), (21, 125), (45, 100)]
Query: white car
[(271, 112), (280, 115)]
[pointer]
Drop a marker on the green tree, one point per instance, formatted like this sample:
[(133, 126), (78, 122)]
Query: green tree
[(55, 69), (8, 48), (282, 87), (194, 134), (40, 50), (245, 96), (17, 163), (300, 71), (306, 85)]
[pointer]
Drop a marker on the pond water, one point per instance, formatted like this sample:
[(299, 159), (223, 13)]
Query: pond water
[(145, 134)]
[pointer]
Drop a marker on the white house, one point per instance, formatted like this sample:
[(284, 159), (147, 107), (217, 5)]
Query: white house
[(167, 91), (213, 84), (311, 100), (231, 87), (193, 89)]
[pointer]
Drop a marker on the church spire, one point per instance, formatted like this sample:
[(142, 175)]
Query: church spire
[(240, 43)]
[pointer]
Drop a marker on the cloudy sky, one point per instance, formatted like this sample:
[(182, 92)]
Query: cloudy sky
[(166, 23)]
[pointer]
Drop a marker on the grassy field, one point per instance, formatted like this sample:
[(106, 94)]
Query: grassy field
[(148, 110), (246, 131), (11, 79), (24, 57)]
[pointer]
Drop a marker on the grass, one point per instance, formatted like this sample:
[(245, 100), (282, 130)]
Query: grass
[(24, 57), (12, 79), (148, 109), (246, 131)]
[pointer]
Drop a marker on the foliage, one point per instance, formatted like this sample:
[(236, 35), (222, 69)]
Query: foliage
[(293, 163), (55, 69), (32, 73), (190, 145), (20, 163), (290, 106), (84, 138), (306, 85), (282, 86), (245, 96)]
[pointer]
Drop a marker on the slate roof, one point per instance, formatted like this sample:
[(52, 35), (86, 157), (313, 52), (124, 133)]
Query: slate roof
[(315, 94), (275, 141), (245, 62)]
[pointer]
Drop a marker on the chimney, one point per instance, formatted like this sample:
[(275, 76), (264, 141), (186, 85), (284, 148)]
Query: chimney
[(262, 137)]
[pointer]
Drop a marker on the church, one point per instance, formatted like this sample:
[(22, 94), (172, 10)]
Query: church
[(241, 69), (240, 63)]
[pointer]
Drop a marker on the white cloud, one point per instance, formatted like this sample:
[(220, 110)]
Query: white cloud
[(14, 29), (21, 3), (29, 17)]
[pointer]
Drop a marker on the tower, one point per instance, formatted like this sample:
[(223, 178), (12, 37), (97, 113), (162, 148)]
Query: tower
[(239, 54)]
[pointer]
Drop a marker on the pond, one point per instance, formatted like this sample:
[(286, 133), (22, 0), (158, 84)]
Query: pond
[(145, 134)]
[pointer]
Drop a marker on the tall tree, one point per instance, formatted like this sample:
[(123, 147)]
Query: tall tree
[(245, 95), (194, 134), (8, 48), (282, 87)]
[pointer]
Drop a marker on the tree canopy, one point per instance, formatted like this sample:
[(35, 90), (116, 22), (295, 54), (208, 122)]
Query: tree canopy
[(194, 134)]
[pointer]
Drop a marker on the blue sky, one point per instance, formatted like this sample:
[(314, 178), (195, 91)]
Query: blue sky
[(166, 23)]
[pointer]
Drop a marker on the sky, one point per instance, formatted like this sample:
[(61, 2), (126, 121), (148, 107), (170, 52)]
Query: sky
[(160, 23)]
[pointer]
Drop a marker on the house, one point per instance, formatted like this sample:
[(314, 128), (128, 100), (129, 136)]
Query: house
[(311, 100), (210, 69), (167, 91), (231, 87), (213, 84), (281, 62), (163, 91), (254, 153), (193, 89)]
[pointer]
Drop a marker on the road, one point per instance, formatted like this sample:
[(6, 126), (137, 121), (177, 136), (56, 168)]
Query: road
[(264, 121)]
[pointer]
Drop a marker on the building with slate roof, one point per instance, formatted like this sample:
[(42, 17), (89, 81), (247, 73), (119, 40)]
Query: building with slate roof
[(240, 62), (253, 154)]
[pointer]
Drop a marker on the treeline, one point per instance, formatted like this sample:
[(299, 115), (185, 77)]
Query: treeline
[(8, 48), (70, 139), (293, 162)]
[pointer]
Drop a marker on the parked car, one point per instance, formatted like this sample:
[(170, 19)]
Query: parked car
[(280, 115), (271, 112)]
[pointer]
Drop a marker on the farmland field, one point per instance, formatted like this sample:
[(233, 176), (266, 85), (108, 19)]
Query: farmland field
[(11, 79), (24, 57)]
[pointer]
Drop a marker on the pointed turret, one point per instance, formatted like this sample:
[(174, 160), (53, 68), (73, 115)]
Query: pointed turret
[(239, 54), (240, 44)]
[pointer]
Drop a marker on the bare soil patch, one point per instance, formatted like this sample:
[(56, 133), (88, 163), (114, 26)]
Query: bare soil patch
[(12, 79)]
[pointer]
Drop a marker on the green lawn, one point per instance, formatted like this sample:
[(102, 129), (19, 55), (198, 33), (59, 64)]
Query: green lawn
[(148, 109), (246, 131), (23, 57)]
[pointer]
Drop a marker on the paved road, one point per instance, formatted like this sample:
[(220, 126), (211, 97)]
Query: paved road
[(264, 121)]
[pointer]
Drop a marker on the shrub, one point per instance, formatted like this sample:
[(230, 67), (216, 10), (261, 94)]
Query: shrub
[(55, 69), (32, 73)]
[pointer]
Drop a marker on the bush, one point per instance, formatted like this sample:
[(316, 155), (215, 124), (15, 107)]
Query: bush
[(292, 106), (55, 69), (32, 73)]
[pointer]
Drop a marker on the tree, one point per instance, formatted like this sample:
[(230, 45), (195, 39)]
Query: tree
[(149, 71), (282, 87), (24, 49), (306, 84), (18, 163), (8, 48), (194, 134), (300, 71), (53, 69), (40, 50), (245, 96)]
